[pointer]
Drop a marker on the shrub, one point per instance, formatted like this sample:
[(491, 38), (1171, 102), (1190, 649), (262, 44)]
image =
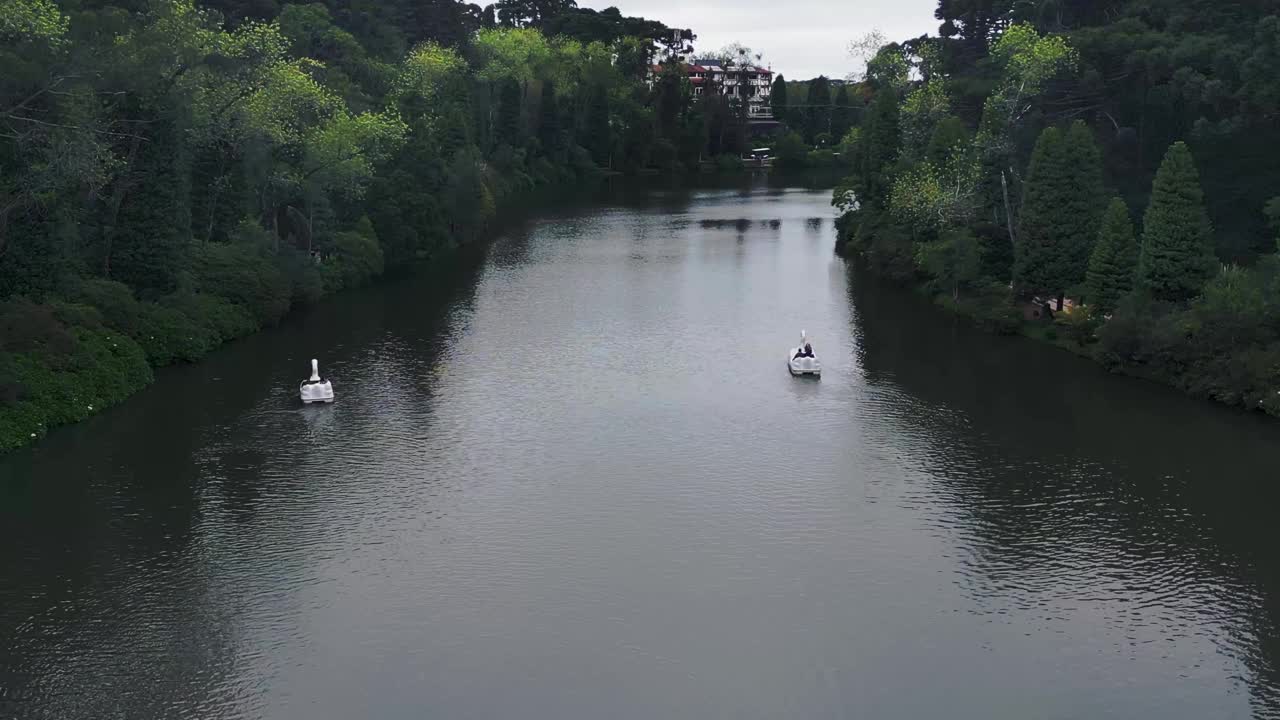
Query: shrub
[(102, 368), (222, 319), (28, 327), (356, 260), (664, 155), (304, 277), (729, 163), (242, 274), (113, 299), (1079, 324), (820, 158), (167, 334)]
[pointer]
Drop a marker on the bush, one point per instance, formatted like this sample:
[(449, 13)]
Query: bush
[(664, 155), (820, 158), (102, 368), (26, 327), (304, 277), (113, 299), (729, 163), (1079, 324), (242, 274), (221, 319), (357, 259), (167, 334), (791, 152)]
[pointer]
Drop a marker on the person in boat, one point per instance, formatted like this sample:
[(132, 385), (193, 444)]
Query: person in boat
[(806, 351)]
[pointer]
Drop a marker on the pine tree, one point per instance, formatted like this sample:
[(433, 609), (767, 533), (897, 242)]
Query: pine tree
[(1114, 261), (549, 119), (1087, 202), (152, 247), (778, 99), (597, 130), (1177, 239), (881, 143), (1040, 266), (818, 113), (507, 128), (1062, 209), (841, 115)]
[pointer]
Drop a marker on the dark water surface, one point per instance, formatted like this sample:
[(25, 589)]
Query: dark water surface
[(576, 481)]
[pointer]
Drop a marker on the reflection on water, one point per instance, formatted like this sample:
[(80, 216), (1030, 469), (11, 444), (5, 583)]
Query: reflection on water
[(574, 479)]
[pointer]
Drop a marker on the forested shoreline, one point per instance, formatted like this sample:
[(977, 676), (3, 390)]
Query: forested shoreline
[(176, 175), (1103, 175)]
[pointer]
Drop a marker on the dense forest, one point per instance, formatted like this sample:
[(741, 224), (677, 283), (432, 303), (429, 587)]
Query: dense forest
[(1103, 174), (174, 175)]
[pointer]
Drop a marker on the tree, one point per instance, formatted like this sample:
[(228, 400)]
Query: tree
[(881, 145), (778, 98), (1060, 212), (841, 114), (671, 97), (818, 114), (790, 151), (1177, 244), (549, 119), (509, 126), (1040, 265), (1114, 261), (953, 260), (597, 139)]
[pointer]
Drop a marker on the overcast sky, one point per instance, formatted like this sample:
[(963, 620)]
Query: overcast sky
[(801, 38)]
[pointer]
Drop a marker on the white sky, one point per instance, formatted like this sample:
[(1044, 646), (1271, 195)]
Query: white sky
[(801, 38)]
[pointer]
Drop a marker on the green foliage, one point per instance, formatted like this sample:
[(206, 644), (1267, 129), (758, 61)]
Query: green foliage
[(790, 151), (357, 259), (953, 261), (179, 175), (778, 99), (41, 388), (818, 112), (1078, 323), (243, 275), (1114, 261), (881, 142), (841, 113), (1060, 213), (922, 110), (1028, 192), (1177, 241), (729, 163)]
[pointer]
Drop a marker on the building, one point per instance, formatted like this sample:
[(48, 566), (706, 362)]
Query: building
[(750, 83)]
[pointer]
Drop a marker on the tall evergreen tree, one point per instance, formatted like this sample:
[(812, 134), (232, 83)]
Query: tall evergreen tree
[(1040, 265), (778, 98), (1114, 261), (1087, 202), (1060, 213), (152, 246), (549, 119), (841, 115), (1177, 244), (818, 113), (597, 138), (507, 128), (881, 143)]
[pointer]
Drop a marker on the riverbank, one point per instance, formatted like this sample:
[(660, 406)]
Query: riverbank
[(1249, 380)]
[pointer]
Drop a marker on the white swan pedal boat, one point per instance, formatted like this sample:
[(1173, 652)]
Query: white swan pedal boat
[(805, 364), (315, 390)]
